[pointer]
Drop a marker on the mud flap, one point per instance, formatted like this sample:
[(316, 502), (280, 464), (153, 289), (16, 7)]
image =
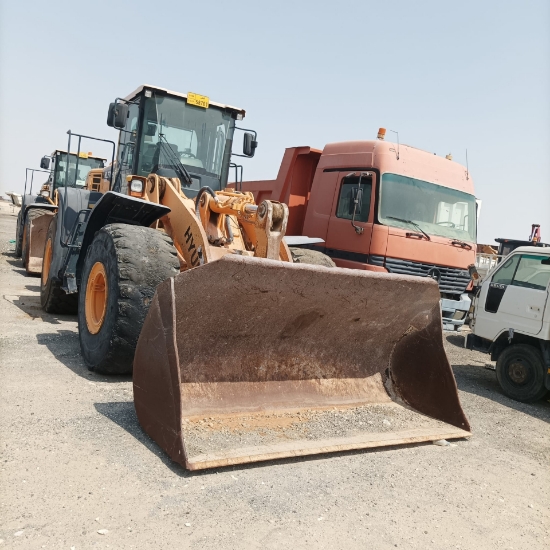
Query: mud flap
[(246, 359)]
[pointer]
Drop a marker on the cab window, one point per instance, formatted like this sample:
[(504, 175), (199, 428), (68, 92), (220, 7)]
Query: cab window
[(532, 272), (346, 200), (505, 274)]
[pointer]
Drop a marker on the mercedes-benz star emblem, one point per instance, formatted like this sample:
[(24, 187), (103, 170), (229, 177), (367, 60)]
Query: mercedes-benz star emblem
[(435, 274)]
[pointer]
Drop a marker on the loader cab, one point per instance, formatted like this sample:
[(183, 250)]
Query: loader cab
[(161, 130), (64, 166)]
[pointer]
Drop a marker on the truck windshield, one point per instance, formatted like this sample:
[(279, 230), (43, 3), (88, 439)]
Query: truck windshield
[(437, 210), (196, 136), (84, 166)]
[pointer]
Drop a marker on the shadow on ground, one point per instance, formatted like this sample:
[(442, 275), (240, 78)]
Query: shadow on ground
[(65, 347), (483, 382), (31, 306)]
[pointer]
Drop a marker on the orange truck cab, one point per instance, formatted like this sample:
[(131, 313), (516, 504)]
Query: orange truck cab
[(383, 207)]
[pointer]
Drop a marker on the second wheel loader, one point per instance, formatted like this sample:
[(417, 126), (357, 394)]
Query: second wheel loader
[(240, 351)]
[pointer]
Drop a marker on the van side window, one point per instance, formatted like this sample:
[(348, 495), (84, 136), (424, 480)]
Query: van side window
[(505, 274), (532, 272), (348, 192)]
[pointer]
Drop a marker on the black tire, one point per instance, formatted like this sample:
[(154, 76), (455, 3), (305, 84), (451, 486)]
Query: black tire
[(313, 257), (136, 260), (26, 233), (52, 297), (19, 234), (520, 373)]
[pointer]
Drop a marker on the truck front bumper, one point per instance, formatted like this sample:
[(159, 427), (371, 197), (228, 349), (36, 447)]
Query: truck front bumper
[(454, 312)]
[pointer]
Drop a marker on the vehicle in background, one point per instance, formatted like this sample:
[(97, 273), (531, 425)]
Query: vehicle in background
[(37, 210), (488, 257), (511, 321), (385, 207)]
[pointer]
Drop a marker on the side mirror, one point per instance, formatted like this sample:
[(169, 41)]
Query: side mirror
[(356, 201), (117, 115), (45, 163), (249, 144)]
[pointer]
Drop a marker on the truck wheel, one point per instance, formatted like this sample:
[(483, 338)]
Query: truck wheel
[(122, 269), (520, 373), (19, 234), (26, 237), (52, 297), (313, 257)]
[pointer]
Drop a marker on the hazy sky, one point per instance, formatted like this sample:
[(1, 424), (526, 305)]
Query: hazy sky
[(448, 75)]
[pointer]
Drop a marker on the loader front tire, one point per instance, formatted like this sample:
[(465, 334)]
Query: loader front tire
[(52, 297), (312, 257), (122, 269), (26, 237), (520, 373)]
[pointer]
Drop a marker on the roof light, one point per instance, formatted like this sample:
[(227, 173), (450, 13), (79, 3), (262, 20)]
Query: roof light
[(449, 156), (381, 134)]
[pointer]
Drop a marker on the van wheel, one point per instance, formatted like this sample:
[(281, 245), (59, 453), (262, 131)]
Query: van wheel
[(122, 269), (312, 257), (520, 373)]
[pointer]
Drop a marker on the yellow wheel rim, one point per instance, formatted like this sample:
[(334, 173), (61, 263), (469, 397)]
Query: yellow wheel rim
[(47, 262), (96, 298)]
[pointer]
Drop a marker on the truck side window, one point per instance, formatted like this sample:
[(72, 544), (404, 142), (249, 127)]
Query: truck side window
[(348, 191), (505, 274), (532, 273)]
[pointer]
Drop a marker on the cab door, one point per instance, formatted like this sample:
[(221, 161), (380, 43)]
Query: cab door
[(350, 225), (515, 297)]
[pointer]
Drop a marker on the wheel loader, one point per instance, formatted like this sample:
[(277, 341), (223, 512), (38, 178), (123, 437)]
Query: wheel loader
[(36, 213), (241, 348)]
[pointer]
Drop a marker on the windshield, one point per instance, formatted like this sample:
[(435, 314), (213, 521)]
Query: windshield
[(84, 166), (196, 136), (437, 210)]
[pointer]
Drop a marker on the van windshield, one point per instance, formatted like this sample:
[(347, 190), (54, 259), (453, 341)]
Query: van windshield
[(435, 209)]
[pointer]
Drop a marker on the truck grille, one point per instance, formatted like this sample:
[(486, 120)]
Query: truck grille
[(451, 281)]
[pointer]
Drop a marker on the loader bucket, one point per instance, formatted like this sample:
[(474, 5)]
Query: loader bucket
[(37, 240), (247, 359)]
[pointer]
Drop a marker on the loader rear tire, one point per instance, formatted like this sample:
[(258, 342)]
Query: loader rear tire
[(26, 237), (52, 297), (520, 373), (312, 257), (122, 269)]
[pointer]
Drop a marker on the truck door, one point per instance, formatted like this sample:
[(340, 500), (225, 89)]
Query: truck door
[(349, 235), (516, 296)]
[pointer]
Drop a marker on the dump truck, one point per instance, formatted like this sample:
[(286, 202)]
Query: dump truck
[(511, 322), (36, 213), (383, 207), (239, 352)]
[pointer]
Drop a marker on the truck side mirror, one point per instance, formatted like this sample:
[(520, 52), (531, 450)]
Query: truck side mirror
[(249, 144), (117, 115), (356, 201), (45, 163)]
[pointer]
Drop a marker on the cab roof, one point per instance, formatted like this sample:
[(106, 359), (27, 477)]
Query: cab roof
[(74, 153), (538, 250), (131, 96)]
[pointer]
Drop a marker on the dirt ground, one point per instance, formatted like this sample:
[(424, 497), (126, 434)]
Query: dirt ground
[(77, 472)]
